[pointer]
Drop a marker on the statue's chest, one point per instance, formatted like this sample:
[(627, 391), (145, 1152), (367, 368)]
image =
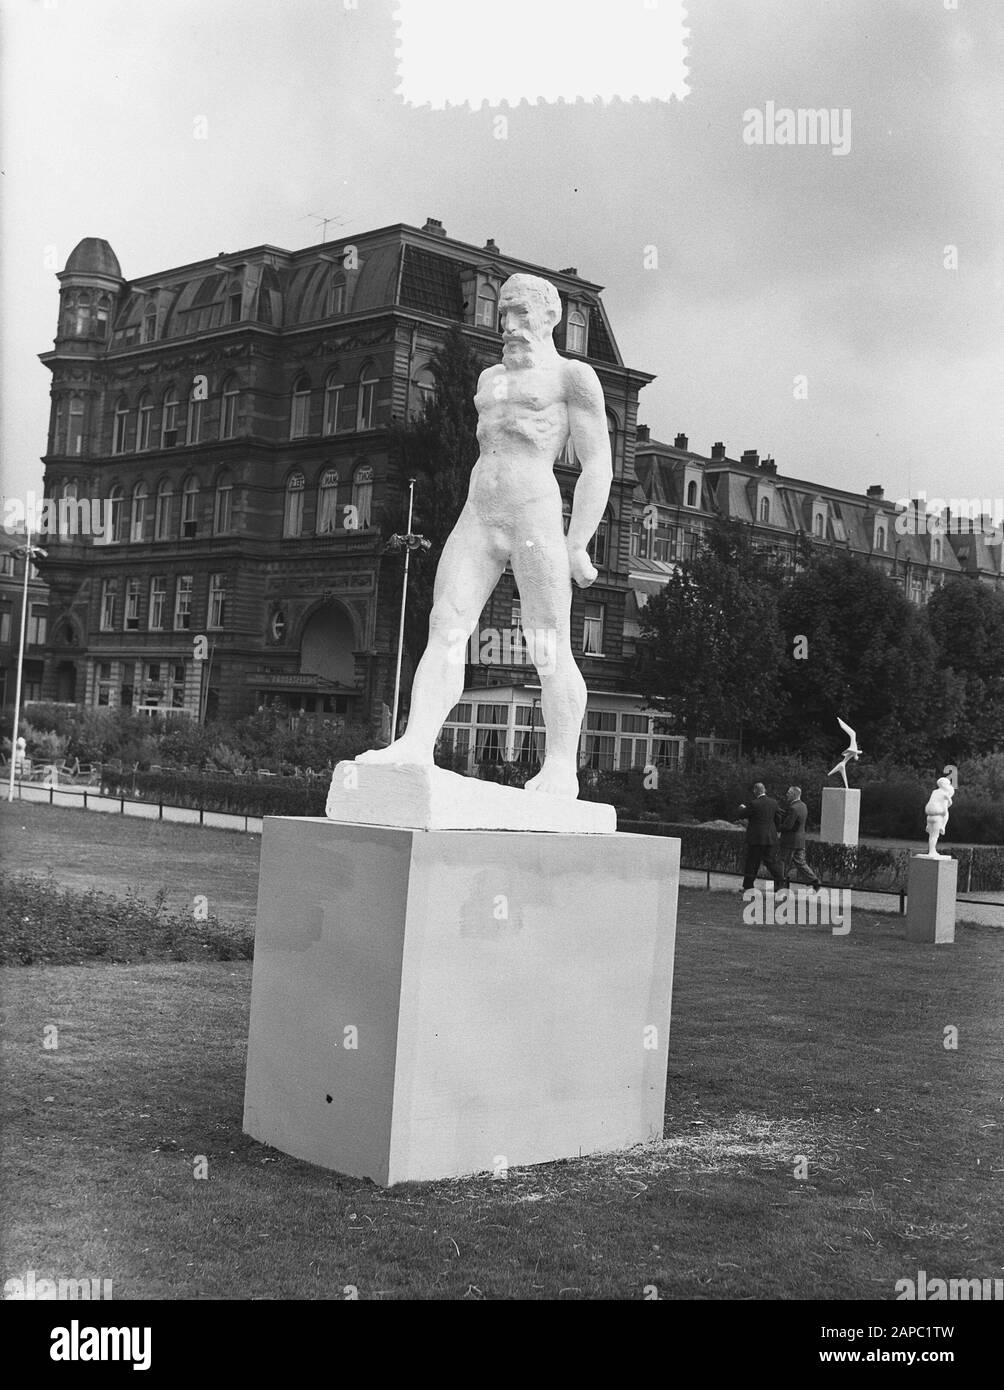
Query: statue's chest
[(513, 394)]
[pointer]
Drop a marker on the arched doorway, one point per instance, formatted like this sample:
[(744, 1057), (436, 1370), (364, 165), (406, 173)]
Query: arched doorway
[(66, 682), (326, 646)]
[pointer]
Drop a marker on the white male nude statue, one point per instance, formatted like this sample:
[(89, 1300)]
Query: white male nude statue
[(529, 406)]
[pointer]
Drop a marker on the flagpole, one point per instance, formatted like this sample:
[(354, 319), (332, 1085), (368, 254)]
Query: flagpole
[(29, 550), (404, 601)]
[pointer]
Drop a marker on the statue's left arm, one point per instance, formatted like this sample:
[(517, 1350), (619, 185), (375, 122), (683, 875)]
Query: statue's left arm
[(587, 427)]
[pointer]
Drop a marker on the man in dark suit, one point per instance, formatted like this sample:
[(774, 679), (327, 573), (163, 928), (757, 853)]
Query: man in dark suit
[(792, 850), (763, 815)]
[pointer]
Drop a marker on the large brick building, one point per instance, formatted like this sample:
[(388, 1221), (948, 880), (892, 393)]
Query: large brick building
[(233, 417)]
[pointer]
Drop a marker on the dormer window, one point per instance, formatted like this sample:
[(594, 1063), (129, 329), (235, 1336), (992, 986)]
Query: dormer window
[(488, 306), (336, 294), (765, 509), (880, 535), (149, 333), (575, 333), (692, 493), (819, 524), (936, 550)]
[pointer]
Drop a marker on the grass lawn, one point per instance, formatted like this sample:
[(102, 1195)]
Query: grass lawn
[(786, 1042)]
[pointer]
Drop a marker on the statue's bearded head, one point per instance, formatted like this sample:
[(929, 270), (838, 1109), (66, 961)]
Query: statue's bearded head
[(529, 307)]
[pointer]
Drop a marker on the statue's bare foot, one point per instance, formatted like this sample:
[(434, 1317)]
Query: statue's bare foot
[(402, 750), (556, 780)]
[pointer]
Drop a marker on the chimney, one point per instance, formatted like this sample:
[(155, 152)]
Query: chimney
[(680, 442), (641, 434), (768, 465), (570, 270), (718, 450), (876, 492), (750, 457), (490, 244), (434, 226)]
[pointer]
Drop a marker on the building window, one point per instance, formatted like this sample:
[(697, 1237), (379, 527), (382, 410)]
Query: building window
[(109, 590), (222, 511), (566, 513), (575, 336), (103, 683), (692, 493), (190, 509), (879, 536), (176, 670), (488, 307), (169, 420), (278, 625), (765, 509), (362, 495), (183, 603), (234, 300), (132, 592), (332, 404), (114, 514), (162, 517), (936, 550), (612, 436), (194, 433), (228, 411), (367, 399), (592, 630), (144, 426), (818, 524), (299, 420), (336, 294), (597, 547), (601, 725), (121, 427), (292, 517), (149, 334), (37, 617), (327, 502), (139, 499), (75, 426), (59, 427), (425, 391), (5, 617), (158, 597), (217, 600)]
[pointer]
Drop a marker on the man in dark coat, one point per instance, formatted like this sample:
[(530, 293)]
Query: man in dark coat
[(792, 851), (763, 815)]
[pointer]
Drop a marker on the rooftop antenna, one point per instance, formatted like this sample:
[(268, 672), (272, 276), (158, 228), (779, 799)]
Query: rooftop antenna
[(324, 221)]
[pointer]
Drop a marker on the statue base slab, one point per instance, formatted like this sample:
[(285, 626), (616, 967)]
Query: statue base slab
[(841, 814), (931, 886), (430, 798), (429, 1004)]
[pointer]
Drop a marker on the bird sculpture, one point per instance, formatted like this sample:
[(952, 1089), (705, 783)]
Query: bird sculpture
[(852, 751)]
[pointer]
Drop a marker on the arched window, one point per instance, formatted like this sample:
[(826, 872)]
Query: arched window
[(102, 309), (425, 391), (144, 418), (692, 493), (880, 537), (169, 420), (299, 419), (79, 317), (190, 508), (765, 509), (817, 524), (488, 307), (936, 550), (149, 333), (327, 502), (362, 495), (367, 398), (575, 336), (121, 426), (139, 498), (195, 403), (336, 294), (292, 518), (597, 547), (114, 514), (58, 443), (332, 403), (162, 516), (223, 509), (228, 408), (75, 426)]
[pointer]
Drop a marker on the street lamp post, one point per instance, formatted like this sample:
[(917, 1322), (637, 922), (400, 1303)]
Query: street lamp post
[(408, 543), (29, 552)]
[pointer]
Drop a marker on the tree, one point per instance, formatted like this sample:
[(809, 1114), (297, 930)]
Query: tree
[(856, 647), (967, 625), (438, 448), (711, 645)]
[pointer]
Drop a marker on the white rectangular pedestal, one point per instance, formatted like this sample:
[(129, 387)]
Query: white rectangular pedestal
[(930, 899), (427, 1004), (841, 813)]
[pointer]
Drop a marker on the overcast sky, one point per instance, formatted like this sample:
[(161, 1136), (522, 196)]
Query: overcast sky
[(774, 261)]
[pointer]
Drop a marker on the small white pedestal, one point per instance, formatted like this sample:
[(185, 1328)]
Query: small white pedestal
[(427, 1004), (930, 899), (841, 813)]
